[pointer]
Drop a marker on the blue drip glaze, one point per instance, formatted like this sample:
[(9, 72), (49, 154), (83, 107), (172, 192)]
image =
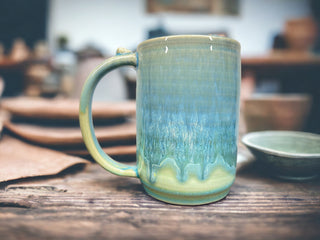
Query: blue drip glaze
[(187, 109)]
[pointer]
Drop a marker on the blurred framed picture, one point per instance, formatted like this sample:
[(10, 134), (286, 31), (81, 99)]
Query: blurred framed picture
[(216, 7)]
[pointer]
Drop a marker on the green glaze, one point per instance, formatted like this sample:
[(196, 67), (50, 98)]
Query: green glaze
[(187, 117), (85, 115), (286, 154)]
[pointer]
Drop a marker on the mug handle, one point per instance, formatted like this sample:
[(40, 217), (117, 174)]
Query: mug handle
[(122, 58)]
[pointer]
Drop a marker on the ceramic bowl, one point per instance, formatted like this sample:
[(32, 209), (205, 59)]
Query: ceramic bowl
[(286, 154), (276, 112)]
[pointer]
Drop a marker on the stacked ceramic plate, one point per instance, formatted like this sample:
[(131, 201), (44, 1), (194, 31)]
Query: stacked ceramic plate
[(54, 124)]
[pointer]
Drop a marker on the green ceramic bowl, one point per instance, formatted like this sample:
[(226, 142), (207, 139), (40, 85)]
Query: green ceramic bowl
[(286, 154)]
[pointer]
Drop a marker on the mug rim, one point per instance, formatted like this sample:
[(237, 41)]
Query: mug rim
[(213, 38)]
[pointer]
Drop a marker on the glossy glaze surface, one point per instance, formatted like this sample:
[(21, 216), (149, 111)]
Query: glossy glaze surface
[(187, 117), (187, 114)]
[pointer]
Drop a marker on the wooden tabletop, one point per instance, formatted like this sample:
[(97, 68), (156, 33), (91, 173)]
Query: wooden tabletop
[(91, 203)]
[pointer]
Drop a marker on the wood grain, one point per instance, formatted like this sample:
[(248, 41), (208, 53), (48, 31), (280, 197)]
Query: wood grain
[(95, 204)]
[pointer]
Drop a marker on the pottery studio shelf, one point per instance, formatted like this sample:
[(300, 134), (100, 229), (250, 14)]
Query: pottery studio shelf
[(262, 65), (295, 73)]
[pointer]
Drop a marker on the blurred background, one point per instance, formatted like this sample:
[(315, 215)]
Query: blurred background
[(48, 48)]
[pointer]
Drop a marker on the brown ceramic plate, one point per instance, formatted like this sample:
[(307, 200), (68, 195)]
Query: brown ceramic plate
[(61, 108), (63, 136), (113, 151)]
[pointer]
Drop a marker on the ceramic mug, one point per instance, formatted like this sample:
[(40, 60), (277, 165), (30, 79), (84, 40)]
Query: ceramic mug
[(187, 101)]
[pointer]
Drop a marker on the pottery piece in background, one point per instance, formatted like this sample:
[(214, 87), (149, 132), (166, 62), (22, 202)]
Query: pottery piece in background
[(300, 34), (67, 136), (63, 108), (286, 154), (19, 51), (276, 111)]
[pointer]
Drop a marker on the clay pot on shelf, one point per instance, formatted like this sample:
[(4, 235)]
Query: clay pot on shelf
[(300, 34)]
